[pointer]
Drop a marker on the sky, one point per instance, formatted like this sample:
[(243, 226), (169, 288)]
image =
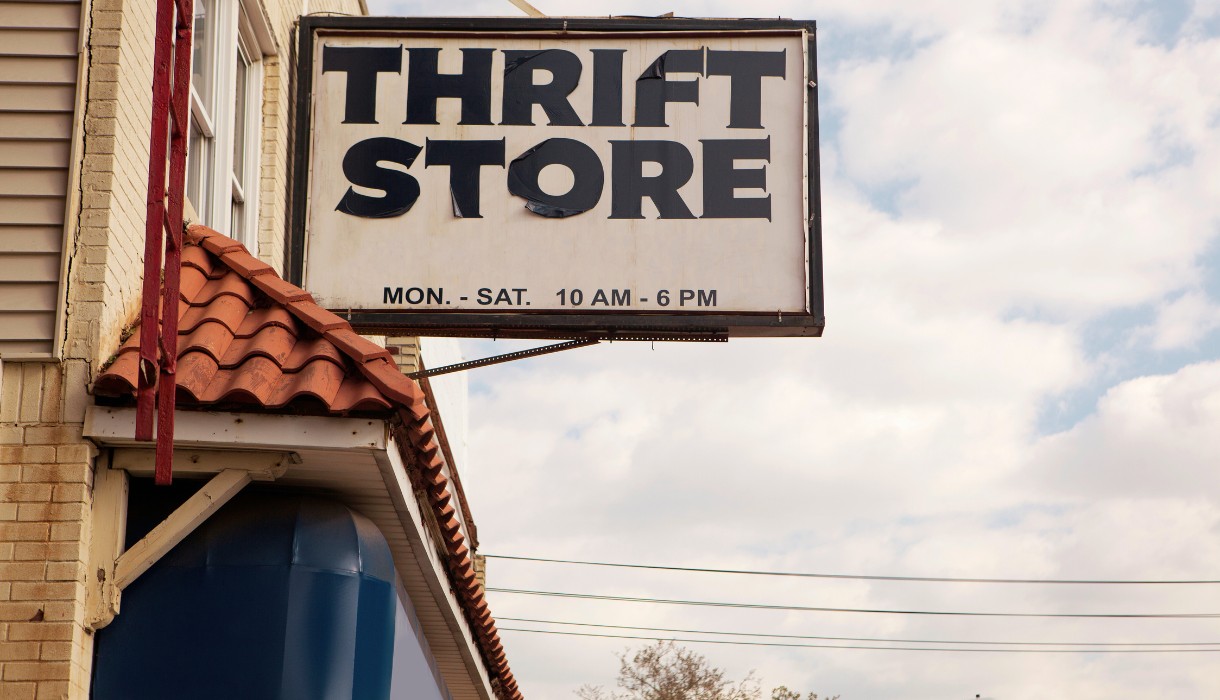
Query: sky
[(1019, 378)]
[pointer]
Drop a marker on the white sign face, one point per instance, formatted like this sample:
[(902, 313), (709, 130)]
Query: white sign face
[(596, 173)]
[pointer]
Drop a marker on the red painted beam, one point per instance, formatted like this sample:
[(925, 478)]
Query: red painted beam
[(155, 213), (167, 382)]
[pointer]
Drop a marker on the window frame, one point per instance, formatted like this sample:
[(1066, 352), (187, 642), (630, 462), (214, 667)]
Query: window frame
[(249, 185), (235, 31)]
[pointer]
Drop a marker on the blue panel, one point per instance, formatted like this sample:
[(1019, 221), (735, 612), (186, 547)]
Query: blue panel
[(288, 598), (375, 644)]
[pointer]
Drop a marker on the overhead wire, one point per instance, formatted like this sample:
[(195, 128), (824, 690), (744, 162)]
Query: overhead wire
[(875, 611), (863, 577), (855, 639), (867, 647)]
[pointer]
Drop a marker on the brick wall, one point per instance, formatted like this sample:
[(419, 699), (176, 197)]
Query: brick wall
[(405, 352), (46, 474)]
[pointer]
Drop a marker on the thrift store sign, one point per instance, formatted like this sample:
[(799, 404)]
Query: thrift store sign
[(565, 180)]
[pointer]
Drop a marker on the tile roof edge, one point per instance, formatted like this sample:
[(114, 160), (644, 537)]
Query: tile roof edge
[(438, 424), (424, 439)]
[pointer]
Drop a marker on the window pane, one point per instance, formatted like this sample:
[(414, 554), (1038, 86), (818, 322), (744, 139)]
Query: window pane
[(237, 222), (239, 119), (199, 172), (203, 70)]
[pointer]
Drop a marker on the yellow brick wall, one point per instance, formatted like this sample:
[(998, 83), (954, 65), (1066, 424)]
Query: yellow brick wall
[(46, 467), (46, 473)]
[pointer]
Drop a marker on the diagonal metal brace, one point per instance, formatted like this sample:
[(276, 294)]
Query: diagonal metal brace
[(507, 357)]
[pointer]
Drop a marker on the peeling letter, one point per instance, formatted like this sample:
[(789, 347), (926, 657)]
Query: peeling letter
[(587, 178)]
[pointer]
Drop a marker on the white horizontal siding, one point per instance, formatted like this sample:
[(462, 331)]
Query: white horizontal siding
[(38, 69)]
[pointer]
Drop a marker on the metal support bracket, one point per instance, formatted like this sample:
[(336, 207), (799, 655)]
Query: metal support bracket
[(507, 357), (110, 568)]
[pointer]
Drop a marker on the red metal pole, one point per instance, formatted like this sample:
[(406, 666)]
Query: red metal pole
[(180, 129), (155, 213)]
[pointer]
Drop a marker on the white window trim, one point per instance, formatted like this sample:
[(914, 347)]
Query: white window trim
[(236, 23), (248, 190)]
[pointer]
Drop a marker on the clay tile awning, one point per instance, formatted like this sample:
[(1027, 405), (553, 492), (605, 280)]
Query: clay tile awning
[(250, 341)]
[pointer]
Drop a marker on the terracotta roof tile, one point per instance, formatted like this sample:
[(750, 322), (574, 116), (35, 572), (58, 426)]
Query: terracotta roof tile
[(253, 381), (212, 338), (228, 310), (195, 373), (320, 379), (200, 259), (259, 319), (357, 346), (219, 245), (246, 265), (310, 349), (356, 394), (271, 341), (231, 285), (279, 290), (316, 317), (382, 374), (247, 337), (191, 281)]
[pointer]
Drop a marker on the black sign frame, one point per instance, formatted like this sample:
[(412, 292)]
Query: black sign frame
[(611, 325)]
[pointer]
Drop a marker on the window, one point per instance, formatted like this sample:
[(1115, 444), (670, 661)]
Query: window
[(226, 104)]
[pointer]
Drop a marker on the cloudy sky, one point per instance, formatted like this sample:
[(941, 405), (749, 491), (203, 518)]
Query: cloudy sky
[(1020, 375)]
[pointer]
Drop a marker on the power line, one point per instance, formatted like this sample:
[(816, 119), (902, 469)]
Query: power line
[(860, 639), (803, 608), (855, 646), (863, 577)]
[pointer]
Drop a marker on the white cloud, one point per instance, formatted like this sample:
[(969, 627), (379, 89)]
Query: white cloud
[(1153, 436), (1182, 322), (1052, 165)]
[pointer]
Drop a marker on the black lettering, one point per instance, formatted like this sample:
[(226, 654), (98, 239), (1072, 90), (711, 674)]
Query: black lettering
[(503, 297), (629, 186), (519, 292), (415, 295), (707, 297), (620, 297), (472, 86), (392, 295), (746, 69), (521, 93), (685, 295), (653, 91), (587, 178), (465, 160), (436, 296), (484, 296), (721, 179), (607, 87), (361, 167), (362, 64), (600, 298)]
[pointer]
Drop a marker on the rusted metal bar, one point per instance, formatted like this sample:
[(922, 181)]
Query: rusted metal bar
[(507, 357), (155, 214), (168, 383)]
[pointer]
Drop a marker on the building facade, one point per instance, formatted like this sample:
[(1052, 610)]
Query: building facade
[(279, 399)]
